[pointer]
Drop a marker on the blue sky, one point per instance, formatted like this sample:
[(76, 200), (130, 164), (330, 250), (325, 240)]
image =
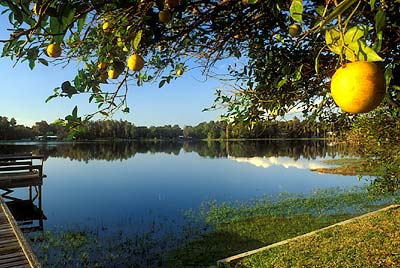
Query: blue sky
[(23, 95)]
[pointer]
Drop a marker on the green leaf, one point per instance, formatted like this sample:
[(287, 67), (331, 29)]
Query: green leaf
[(380, 21), (43, 61), (51, 97), (68, 16), (75, 112), (372, 4), (137, 39), (377, 46), (162, 82), (31, 64), (296, 10), (56, 29), (282, 82), (297, 74), (355, 33), (359, 50), (320, 10), (71, 134), (389, 75), (333, 40), (81, 23), (316, 62)]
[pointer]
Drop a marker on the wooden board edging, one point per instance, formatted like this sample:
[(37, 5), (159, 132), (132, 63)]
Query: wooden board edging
[(33, 261), (225, 261)]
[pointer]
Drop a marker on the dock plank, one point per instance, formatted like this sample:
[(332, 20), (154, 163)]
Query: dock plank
[(14, 250)]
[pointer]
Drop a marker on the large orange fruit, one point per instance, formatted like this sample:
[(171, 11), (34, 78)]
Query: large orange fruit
[(135, 62), (358, 87)]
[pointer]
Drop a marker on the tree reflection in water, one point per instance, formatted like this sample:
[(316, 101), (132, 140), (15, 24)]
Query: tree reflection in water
[(112, 151)]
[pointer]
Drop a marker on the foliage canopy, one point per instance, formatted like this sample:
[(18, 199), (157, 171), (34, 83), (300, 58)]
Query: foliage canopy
[(280, 67)]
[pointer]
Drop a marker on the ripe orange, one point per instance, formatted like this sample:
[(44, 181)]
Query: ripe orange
[(294, 30), (179, 72), (165, 16), (102, 65), (116, 69), (135, 62), (358, 87), (53, 50), (106, 26), (112, 74)]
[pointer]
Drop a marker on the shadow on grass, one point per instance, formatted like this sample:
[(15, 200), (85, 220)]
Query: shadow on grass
[(206, 250), (241, 236)]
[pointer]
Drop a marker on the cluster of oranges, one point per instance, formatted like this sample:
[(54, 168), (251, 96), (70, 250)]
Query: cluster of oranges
[(135, 62)]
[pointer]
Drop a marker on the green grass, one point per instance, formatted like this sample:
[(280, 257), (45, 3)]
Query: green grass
[(368, 242)]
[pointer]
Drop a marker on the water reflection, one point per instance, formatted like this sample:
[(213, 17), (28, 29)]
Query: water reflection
[(266, 162), (111, 151), (112, 182)]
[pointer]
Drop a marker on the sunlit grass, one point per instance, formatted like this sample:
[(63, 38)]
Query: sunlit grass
[(368, 242)]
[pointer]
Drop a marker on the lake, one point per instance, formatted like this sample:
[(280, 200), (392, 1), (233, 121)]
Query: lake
[(116, 183)]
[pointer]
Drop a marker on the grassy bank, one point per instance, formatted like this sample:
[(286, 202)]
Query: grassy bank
[(369, 242), (348, 167)]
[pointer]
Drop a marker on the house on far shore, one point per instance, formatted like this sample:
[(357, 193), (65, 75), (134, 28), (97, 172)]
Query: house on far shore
[(46, 138)]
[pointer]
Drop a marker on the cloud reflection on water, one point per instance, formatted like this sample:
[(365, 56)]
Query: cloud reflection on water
[(286, 162)]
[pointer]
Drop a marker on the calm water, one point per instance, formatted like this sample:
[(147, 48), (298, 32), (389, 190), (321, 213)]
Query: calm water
[(113, 183)]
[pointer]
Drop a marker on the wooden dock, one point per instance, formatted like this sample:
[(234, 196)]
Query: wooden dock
[(15, 251), (17, 171)]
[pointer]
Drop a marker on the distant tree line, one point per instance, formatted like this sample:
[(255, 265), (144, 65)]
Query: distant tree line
[(293, 128), (10, 130), (124, 130)]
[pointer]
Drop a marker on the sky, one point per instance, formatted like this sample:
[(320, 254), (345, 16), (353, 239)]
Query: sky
[(23, 93)]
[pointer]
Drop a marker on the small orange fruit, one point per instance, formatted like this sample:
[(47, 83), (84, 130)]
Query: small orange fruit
[(135, 62), (53, 50), (106, 26), (165, 16), (116, 69), (113, 74), (179, 72), (102, 65), (358, 87), (294, 30)]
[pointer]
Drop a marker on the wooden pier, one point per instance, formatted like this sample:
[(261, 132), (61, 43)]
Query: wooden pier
[(15, 172), (14, 249)]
